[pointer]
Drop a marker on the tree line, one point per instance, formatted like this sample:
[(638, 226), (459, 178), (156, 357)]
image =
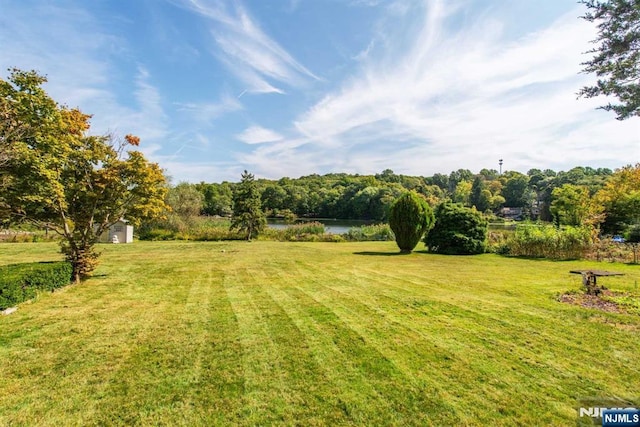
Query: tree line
[(582, 195)]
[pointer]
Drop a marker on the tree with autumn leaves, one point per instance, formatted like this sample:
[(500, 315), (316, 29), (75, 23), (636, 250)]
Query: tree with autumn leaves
[(620, 200), (55, 175)]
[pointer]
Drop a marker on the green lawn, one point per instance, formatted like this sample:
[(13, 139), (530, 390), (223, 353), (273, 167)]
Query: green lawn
[(180, 333)]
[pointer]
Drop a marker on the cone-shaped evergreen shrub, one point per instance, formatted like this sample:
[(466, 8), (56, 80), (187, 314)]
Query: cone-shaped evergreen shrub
[(458, 231), (409, 219)]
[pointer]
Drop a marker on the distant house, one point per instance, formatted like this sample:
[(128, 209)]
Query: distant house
[(120, 232), (512, 213)]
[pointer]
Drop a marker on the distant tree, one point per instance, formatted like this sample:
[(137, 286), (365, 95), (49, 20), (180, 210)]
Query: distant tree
[(515, 189), (185, 204), (457, 231), (185, 200), (387, 175), (462, 192), (620, 198), (441, 181), (74, 184), (217, 198), (616, 59), (573, 205), (410, 218), (247, 217), (372, 203), (480, 196), (457, 176), (489, 174), (274, 198)]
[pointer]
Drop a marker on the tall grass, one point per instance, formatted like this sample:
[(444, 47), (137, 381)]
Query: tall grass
[(198, 228), (301, 232), (547, 241), (375, 232)]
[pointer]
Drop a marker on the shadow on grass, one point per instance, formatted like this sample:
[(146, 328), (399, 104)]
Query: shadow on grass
[(537, 258), (373, 253)]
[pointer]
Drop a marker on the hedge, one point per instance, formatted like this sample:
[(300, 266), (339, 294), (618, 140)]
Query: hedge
[(20, 282)]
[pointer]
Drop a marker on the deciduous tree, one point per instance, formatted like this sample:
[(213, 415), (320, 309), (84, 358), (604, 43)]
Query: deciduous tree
[(573, 205), (74, 184), (620, 198)]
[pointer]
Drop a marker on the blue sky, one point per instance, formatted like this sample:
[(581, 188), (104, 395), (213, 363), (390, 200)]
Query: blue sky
[(294, 87)]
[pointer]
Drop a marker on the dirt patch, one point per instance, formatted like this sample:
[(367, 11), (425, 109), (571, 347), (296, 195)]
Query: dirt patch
[(601, 302)]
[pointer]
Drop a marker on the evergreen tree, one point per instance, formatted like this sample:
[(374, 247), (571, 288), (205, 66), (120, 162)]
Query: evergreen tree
[(247, 217), (616, 59), (457, 231), (480, 197), (410, 218)]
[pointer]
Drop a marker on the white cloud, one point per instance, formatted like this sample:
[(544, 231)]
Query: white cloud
[(205, 113), (258, 135), (198, 172), (70, 46), (462, 99), (249, 52)]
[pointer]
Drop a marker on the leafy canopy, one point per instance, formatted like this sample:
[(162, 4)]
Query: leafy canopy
[(73, 183), (573, 205), (620, 199)]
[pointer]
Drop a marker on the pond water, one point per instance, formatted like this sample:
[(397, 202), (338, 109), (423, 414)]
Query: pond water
[(340, 226), (334, 226)]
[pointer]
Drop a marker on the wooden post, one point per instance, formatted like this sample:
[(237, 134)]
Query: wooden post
[(589, 280)]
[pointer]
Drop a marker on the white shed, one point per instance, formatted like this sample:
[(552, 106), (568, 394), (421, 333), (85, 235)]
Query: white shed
[(120, 232)]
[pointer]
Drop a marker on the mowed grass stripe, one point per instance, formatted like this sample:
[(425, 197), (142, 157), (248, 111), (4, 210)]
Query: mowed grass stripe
[(148, 354), (422, 363), (285, 382), (474, 349), (185, 369), (408, 402), (357, 344), (350, 389), (236, 333)]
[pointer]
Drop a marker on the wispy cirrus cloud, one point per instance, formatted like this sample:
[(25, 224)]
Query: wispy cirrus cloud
[(254, 57), (258, 135), (205, 113), (69, 45), (460, 97)]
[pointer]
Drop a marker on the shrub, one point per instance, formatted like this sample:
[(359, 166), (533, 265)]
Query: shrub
[(199, 228), (632, 237), (547, 241), (156, 234), (409, 219), (458, 231), (377, 232), (606, 249), (20, 282)]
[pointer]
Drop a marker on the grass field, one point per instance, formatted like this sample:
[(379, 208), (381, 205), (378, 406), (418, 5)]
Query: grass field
[(236, 333)]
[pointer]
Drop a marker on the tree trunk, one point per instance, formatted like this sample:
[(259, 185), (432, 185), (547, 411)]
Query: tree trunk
[(82, 257)]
